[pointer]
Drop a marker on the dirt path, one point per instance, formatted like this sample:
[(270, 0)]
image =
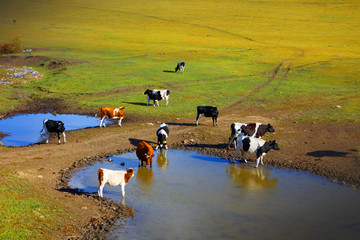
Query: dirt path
[(328, 151)]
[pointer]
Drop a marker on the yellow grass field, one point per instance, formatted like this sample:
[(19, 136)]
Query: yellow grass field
[(312, 46)]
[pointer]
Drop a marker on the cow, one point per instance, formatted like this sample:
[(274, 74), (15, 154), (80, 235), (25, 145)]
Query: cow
[(145, 153), (257, 130), (254, 145), (111, 113), (113, 178), (157, 95), (51, 126), (207, 111), (162, 134), (180, 66)]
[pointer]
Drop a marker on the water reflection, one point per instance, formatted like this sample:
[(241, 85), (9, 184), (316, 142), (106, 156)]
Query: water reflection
[(162, 160), (145, 178), (251, 178)]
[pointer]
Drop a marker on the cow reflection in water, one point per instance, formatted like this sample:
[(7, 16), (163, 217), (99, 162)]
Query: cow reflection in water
[(144, 177), (251, 178), (162, 160)]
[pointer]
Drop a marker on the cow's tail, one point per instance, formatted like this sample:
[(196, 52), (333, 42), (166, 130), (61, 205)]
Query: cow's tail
[(98, 112), (100, 174), (45, 120)]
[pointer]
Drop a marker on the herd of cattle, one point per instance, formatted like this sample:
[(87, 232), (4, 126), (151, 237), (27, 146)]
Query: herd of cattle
[(246, 137)]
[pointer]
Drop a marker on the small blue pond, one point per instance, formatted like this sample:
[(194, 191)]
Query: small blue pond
[(24, 129), (187, 195)]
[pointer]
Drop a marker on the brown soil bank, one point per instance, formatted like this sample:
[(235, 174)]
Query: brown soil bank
[(330, 151)]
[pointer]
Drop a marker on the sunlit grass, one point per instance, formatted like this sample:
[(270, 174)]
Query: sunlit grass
[(118, 49)]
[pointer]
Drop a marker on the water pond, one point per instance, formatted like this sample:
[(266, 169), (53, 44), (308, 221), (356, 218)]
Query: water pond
[(187, 195), (24, 129)]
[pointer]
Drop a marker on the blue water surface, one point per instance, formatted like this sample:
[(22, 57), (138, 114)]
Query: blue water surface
[(24, 129)]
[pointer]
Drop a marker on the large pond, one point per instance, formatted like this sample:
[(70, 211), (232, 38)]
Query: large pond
[(187, 195), (24, 129)]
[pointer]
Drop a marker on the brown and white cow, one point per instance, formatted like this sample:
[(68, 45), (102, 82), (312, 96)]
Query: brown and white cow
[(111, 113), (256, 130), (145, 153), (113, 178)]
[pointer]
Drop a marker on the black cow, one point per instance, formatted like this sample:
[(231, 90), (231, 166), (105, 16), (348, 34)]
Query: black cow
[(255, 145), (207, 111), (157, 95), (162, 133), (257, 130), (180, 66), (51, 126)]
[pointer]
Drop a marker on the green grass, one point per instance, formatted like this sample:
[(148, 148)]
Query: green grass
[(26, 211), (115, 50)]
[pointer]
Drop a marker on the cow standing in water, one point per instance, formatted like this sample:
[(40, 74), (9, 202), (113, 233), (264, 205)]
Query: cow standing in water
[(51, 126), (145, 153), (111, 113), (180, 66), (113, 178)]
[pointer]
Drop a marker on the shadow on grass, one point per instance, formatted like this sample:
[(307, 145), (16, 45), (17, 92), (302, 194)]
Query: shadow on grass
[(136, 103), (168, 71)]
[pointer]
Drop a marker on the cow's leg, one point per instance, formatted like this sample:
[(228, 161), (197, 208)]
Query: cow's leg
[(123, 190), (47, 135), (197, 119), (257, 161), (101, 187), (101, 121), (64, 137), (157, 146), (58, 134), (120, 121), (231, 138), (167, 100), (148, 100), (243, 155)]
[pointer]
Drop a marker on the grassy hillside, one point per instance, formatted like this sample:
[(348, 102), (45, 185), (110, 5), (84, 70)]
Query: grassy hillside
[(117, 49)]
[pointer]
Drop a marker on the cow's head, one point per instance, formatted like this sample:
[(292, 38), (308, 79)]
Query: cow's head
[(60, 127), (129, 174), (271, 145), (148, 157), (269, 128), (148, 91)]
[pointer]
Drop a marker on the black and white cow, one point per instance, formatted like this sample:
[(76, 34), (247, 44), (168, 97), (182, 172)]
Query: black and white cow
[(51, 126), (162, 134), (254, 145), (157, 95), (180, 66), (207, 111), (257, 130)]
